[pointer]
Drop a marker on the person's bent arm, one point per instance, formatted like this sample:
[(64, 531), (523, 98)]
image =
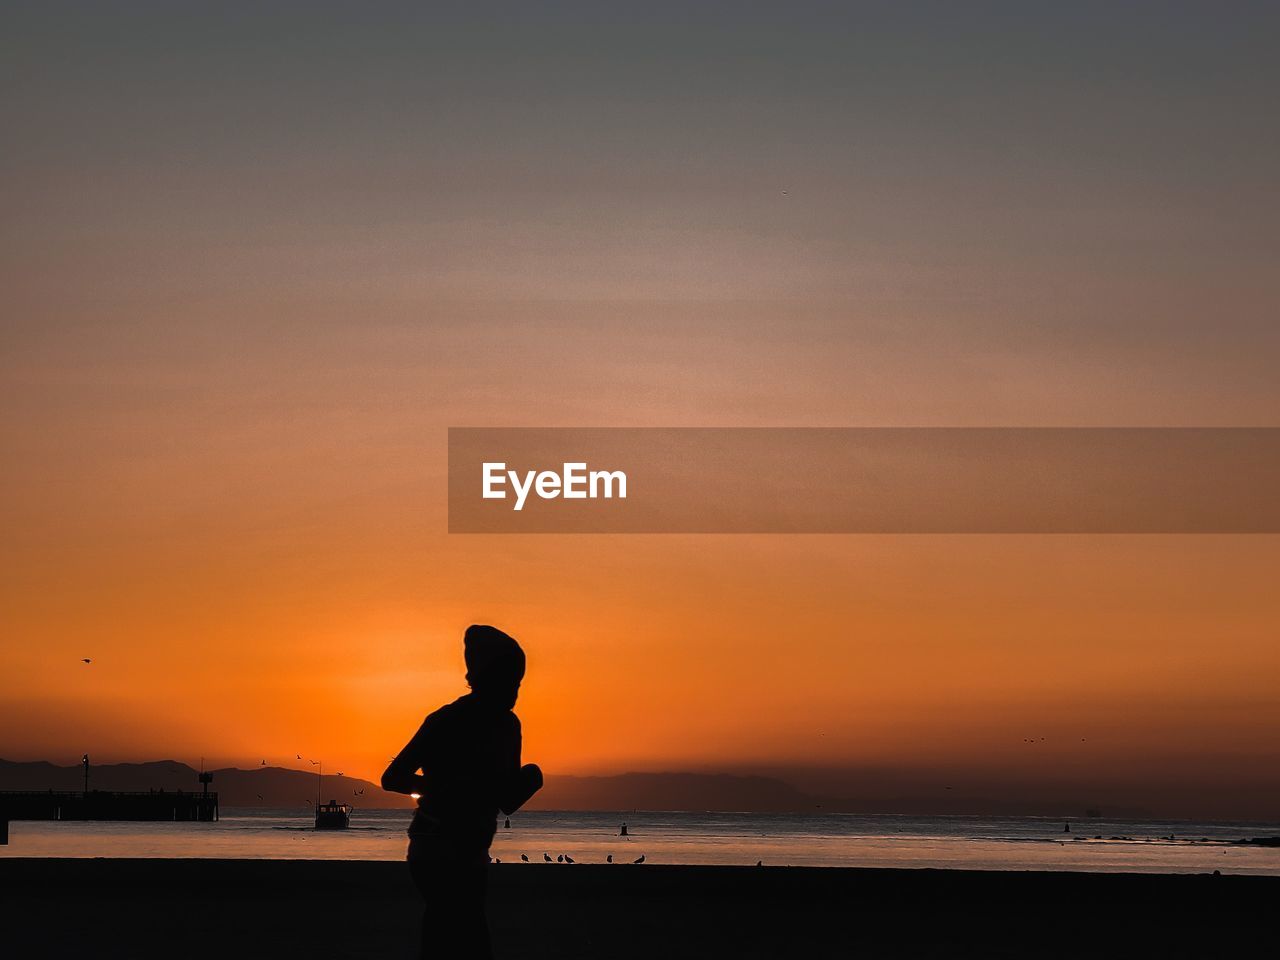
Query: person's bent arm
[(523, 785), (522, 782), (401, 775)]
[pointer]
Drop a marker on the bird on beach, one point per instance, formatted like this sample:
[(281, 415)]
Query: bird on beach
[(759, 863), (568, 859), (264, 763), (547, 857), (360, 792), (609, 858), (524, 857), (639, 859), (559, 858)]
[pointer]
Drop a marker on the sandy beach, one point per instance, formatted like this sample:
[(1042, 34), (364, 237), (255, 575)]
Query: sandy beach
[(327, 909)]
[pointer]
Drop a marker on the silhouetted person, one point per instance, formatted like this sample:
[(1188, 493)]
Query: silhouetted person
[(469, 755)]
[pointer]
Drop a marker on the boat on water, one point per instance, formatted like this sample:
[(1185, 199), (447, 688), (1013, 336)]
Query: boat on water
[(333, 816)]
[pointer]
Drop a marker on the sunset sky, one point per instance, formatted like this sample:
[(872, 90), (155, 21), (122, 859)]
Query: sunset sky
[(255, 264)]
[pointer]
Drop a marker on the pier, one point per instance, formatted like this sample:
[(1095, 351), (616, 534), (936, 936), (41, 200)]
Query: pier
[(105, 805)]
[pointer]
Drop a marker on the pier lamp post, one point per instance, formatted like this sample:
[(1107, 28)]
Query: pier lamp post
[(85, 761)]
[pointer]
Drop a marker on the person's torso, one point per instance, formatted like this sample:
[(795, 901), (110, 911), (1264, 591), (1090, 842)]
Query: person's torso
[(472, 751)]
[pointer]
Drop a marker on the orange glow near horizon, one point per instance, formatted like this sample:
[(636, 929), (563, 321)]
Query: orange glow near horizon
[(659, 653)]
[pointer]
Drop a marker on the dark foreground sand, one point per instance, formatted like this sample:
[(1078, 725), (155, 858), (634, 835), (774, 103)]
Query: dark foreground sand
[(317, 910)]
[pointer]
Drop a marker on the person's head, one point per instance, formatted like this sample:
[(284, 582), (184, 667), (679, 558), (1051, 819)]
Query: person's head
[(495, 663)]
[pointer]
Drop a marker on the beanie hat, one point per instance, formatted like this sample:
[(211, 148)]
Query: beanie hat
[(491, 655)]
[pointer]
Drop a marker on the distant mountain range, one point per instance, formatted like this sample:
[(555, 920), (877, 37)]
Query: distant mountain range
[(282, 787), (765, 794), (259, 787)]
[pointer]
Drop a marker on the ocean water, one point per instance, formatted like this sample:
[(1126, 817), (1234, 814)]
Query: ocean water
[(833, 840)]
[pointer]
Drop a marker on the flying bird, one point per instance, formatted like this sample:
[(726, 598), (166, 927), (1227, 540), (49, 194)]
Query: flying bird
[(299, 756), (259, 796), (86, 660), (639, 859)]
